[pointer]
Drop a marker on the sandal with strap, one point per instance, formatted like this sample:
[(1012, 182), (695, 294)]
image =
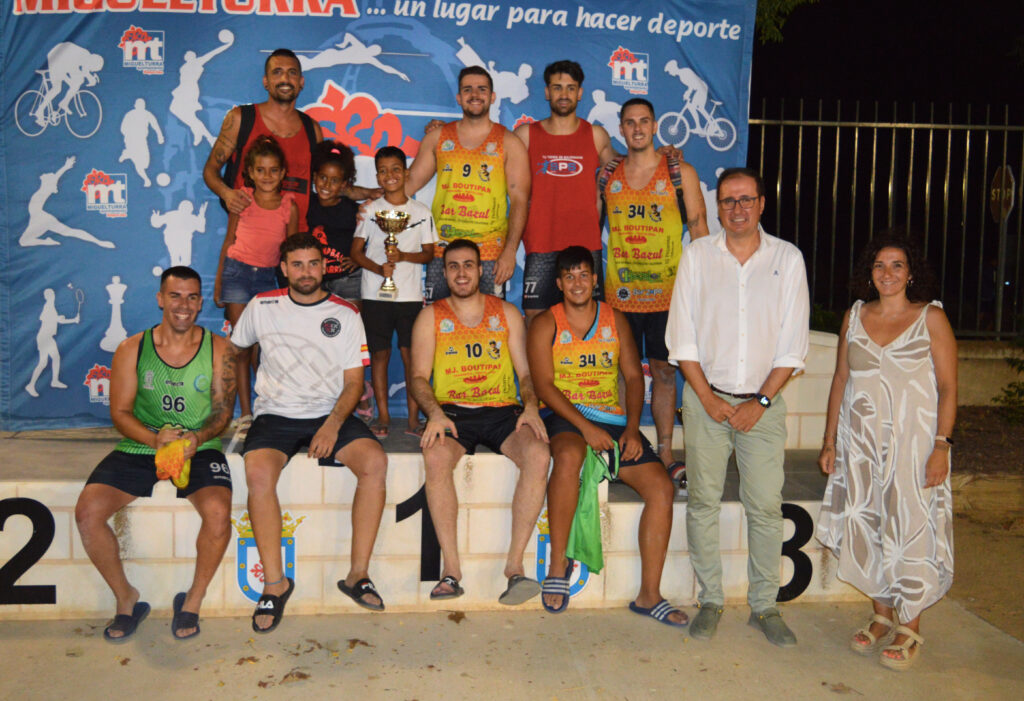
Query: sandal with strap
[(183, 620), (661, 612), (870, 647), (557, 586), (272, 605), (909, 648), (437, 594), (360, 589)]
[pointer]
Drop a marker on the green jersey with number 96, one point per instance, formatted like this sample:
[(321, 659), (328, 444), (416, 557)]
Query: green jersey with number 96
[(169, 395)]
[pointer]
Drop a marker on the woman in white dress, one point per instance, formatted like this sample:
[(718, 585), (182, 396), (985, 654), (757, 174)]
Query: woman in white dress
[(887, 511)]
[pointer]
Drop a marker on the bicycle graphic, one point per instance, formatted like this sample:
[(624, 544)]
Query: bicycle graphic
[(674, 129), (33, 114)]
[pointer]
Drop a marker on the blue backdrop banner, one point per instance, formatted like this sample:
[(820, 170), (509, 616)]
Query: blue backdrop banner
[(109, 108)]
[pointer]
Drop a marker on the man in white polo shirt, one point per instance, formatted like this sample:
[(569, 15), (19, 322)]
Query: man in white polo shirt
[(312, 355), (738, 328)]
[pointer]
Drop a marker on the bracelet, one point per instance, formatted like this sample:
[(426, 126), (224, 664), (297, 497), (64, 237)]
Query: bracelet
[(945, 439)]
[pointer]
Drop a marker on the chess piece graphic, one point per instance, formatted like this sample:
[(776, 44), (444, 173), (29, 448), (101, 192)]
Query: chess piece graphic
[(115, 331)]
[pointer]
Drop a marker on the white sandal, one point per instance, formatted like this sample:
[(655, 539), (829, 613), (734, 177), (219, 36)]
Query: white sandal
[(873, 643), (913, 642)]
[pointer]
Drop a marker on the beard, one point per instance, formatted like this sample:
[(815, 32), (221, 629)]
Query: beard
[(305, 285), (286, 98), (563, 110)]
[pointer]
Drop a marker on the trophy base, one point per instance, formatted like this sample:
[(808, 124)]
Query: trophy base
[(387, 295)]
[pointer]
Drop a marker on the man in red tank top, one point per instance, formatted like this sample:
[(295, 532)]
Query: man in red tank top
[(277, 117), (565, 154)]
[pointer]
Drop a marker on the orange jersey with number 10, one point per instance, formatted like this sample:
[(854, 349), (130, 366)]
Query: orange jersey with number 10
[(472, 365)]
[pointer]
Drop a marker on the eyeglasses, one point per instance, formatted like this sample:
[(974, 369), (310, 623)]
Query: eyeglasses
[(729, 203)]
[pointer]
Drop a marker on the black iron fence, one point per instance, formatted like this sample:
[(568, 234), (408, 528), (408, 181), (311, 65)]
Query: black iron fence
[(838, 174)]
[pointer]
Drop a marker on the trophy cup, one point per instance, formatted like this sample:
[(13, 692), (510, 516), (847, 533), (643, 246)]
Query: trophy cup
[(392, 222)]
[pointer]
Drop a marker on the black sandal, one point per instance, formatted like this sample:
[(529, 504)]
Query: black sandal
[(183, 620), (455, 593), (363, 587), (272, 605)]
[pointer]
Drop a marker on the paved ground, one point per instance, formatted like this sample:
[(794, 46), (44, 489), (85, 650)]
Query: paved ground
[(505, 655)]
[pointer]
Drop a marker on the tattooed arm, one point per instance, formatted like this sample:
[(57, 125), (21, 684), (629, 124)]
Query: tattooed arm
[(223, 147), (222, 395)]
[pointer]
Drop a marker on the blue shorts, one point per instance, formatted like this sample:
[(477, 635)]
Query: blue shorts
[(348, 287), (240, 282)]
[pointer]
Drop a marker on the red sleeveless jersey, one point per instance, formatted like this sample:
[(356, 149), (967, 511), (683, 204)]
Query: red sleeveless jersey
[(298, 156), (563, 194)]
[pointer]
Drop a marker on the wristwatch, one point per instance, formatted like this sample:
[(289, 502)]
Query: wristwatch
[(763, 400)]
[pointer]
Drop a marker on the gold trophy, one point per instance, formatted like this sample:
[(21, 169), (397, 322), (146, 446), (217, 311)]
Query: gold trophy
[(392, 222)]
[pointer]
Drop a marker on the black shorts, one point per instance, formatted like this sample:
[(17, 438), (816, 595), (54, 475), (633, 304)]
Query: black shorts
[(649, 333), (291, 435), (540, 290), (135, 474), (383, 319), (486, 425), (435, 286), (555, 424)]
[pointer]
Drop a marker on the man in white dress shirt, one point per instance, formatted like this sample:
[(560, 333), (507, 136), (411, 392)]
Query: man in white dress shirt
[(738, 328)]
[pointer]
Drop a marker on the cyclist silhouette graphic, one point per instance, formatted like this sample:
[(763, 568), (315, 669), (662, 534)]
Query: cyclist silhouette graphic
[(67, 65), (673, 127)]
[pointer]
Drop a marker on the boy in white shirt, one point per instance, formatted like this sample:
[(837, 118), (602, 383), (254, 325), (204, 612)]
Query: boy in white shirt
[(386, 313)]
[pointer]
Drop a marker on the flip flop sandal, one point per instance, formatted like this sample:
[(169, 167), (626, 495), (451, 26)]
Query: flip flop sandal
[(910, 649), (520, 590), (183, 619), (456, 592), (365, 412), (558, 586), (363, 587), (873, 643), (380, 430), (126, 624), (272, 605), (660, 612)]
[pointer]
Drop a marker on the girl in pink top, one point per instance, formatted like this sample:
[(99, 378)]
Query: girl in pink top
[(251, 250)]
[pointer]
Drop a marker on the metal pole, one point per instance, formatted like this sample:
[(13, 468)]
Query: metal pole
[(1001, 256)]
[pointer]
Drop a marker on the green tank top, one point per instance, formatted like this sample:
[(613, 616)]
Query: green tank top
[(170, 395)]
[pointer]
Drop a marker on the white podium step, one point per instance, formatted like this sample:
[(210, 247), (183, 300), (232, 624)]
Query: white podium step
[(157, 538)]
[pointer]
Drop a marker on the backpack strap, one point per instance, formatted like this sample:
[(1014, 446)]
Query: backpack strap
[(310, 128), (234, 163), (606, 173)]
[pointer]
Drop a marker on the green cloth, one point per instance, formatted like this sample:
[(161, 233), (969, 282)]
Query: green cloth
[(585, 535)]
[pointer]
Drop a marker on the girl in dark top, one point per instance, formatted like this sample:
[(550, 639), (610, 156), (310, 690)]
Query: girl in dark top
[(332, 218)]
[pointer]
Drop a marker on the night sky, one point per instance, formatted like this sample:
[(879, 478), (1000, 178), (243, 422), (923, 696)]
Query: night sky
[(905, 50)]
